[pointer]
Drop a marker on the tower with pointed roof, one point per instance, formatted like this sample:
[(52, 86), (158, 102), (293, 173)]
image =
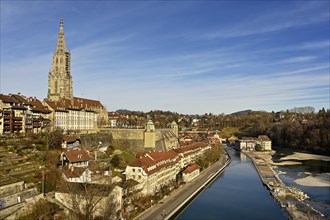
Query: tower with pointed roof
[(59, 78)]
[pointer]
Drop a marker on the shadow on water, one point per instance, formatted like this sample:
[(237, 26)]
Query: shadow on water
[(236, 194)]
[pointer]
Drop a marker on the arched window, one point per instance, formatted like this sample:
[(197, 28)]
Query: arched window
[(56, 86)]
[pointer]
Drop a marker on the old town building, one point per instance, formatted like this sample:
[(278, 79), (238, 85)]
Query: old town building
[(250, 143), (69, 112), (21, 114), (59, 78), (153, 170), (60, 110)]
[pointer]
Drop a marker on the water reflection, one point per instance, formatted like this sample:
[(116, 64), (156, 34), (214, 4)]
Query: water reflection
[(237, 194)]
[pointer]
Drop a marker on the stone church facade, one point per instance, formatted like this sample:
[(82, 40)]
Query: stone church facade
[(59, 78), (69, 112)]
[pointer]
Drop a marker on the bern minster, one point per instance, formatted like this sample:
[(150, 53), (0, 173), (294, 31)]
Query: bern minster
[(161, 110), (59, 78), (60, 110)]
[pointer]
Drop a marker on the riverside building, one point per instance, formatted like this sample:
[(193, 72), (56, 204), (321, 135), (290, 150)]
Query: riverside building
[(153, 170)]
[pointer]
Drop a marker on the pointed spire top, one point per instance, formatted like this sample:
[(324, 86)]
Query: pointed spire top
[(61, 23), (60, 47)]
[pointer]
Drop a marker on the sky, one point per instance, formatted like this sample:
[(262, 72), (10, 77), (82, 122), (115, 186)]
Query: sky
[(190, 57)]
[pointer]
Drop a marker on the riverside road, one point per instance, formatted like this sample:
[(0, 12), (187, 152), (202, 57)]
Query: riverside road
[(167, 206)]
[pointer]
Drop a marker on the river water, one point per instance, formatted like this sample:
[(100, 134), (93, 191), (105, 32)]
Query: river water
[(319, 196), (237, 194)]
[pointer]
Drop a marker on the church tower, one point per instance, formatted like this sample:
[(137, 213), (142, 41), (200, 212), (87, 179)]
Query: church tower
[(59, 78), (150, 135)]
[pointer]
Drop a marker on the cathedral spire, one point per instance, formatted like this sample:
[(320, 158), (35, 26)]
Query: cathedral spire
[(61, 23), (60, 47), (59, 78)]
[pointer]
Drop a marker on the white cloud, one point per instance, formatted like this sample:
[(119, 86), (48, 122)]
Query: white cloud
[(298, 59), (268, 22)]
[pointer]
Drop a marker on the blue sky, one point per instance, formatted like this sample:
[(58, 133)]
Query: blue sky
[(185, 56)]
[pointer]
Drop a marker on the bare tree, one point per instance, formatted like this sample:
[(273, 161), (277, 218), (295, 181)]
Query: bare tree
[(53, 139), (88, 201)]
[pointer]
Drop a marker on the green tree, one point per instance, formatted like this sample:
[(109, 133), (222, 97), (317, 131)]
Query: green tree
[(115, 161), (258, 147), (110, 150)]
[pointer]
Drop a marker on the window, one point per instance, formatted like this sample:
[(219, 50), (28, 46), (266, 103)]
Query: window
[(134, 170)]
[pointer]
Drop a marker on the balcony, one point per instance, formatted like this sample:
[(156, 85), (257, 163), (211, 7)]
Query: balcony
[(36, 118), (18, 118)]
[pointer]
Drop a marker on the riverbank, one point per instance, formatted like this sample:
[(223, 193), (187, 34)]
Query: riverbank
[(320, 180), (290, 198), (304, 156), (170, 205)]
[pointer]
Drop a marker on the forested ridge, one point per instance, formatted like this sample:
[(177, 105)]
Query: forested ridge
[(309, 132), (298, 128)]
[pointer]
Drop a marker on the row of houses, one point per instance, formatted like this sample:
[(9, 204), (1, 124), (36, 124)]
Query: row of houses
[(149, 173), (22, 114), (19, 113), (83, 178), (153, 170)]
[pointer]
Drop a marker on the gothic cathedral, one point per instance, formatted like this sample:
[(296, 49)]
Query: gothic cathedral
[(59, 78)]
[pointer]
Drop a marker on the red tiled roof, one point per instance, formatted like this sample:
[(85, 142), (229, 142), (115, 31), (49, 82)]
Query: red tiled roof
[(163, 159), (78, 155), (158, 159), (73, 172), (6, 98), (70, 138), (37, 105), (140, 154), (192, 167), (20, 98), (75, 103), (87, 102), (190, 148), (56, 105)]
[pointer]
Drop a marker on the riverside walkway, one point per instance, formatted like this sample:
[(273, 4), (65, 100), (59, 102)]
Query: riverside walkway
[(170, 205)]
